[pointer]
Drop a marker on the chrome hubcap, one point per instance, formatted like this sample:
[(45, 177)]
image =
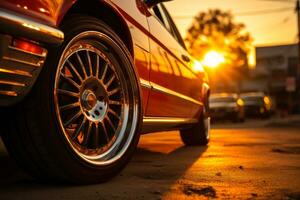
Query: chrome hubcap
[(92, 100)]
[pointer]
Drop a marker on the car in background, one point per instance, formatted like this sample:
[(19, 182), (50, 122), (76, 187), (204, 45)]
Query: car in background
[(257, 104), (226, 106)]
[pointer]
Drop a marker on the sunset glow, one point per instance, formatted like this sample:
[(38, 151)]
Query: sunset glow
[(197, 66), (278, 27), (213, 59)]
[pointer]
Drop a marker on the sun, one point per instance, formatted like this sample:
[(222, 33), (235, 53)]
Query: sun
[(213, 59)]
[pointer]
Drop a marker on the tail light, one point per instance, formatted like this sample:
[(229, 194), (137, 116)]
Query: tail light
[(29, 47)]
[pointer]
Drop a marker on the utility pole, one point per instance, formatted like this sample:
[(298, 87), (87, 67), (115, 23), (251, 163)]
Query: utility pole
[(298, 19), (298, 75), (294, 79)]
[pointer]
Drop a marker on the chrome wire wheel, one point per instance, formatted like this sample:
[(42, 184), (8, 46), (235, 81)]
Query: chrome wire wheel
[(95, 98)]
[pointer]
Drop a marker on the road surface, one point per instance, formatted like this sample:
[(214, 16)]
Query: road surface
[(254, 160)]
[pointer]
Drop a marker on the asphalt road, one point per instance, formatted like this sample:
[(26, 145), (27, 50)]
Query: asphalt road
[(254, 160)]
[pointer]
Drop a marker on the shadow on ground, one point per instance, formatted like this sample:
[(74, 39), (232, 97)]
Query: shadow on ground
[(154, 168)]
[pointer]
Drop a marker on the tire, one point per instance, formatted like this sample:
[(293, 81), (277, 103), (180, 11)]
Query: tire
[(238, 118), (235, 117), (197, 135), (242, 120), (79, 125)]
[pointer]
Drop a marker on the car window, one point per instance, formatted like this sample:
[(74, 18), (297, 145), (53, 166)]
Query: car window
[(163, 16), (158, 14), (222, 99), (253, 99), (174, 30)]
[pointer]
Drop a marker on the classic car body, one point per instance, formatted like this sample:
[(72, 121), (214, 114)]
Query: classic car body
[(173, 88)]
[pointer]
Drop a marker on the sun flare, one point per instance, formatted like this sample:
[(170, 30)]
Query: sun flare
[(213, 59)]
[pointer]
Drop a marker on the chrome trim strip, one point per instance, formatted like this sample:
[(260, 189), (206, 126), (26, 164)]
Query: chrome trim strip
[(24, 26), (162, 89), (150, 85), (13, 83), (16, 72), (169, 120), (43, 55), (145, 84), (38, 64), (8, 93)]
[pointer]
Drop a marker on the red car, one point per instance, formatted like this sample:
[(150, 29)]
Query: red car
[(80, 80)]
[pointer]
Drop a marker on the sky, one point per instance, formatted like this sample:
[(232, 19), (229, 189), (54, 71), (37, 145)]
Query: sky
[(270, 22)]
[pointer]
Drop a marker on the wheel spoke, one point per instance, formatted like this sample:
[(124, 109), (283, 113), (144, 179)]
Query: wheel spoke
[(79, 128), (110, 123), (72, 82), (69, 106), (74, 70), (81, 65), (110, 81), (104, 72), (114, 102), (105, 131), (70, 121), (97, 67), (114, 113), (96, 135), (114, 91), (87, 134), (90, 63), (67, 93)]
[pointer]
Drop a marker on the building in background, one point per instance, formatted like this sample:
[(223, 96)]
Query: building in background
[(276, 73)]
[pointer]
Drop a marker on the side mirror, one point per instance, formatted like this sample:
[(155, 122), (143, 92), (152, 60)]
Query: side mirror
[(151, 3)]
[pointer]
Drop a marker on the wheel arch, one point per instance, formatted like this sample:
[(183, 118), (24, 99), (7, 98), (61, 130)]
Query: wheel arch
[(107, 13)]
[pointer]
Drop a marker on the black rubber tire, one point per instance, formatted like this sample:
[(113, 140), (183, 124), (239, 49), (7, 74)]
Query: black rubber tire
[(31, 131), (238, 119), (197, 134)]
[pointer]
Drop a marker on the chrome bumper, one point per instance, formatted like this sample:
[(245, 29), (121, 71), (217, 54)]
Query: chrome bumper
[(19, 69), (18, 25)]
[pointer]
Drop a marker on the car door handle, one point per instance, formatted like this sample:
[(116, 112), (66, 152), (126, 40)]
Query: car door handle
[(185, 58)]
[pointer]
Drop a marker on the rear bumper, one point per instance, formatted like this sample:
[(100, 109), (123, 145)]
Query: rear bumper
[(254, 110), (19, 69), (22, 26), (222, 113)]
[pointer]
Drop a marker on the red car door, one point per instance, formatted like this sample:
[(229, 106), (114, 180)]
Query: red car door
[(175, 87)]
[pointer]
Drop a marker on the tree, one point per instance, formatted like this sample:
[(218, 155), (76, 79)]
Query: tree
[(216, 30)]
